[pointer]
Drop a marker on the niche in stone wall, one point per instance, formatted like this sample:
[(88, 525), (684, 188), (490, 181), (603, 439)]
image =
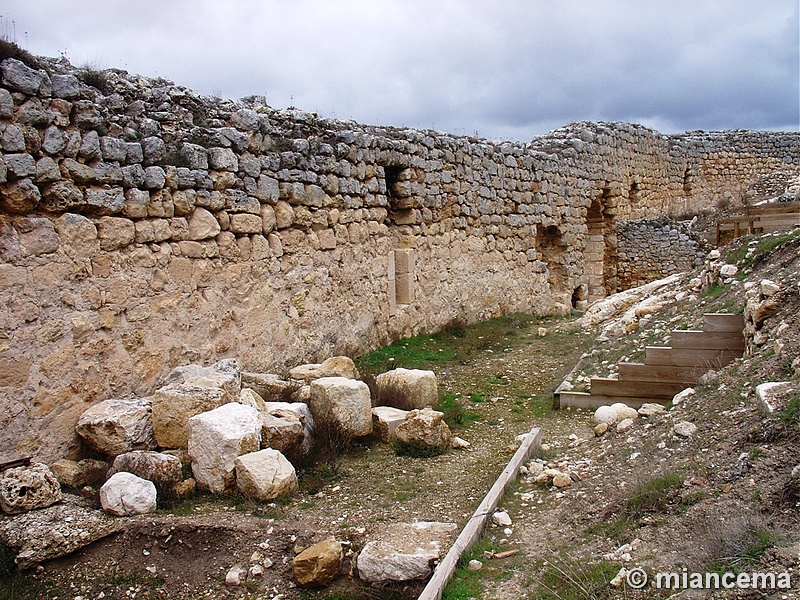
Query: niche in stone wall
[(401, 278), (550, 248), (402, 191)]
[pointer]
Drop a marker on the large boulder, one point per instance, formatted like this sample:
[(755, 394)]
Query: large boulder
[(116, 426), (385, 421), (175, 404), (125, 494), (425, 427), (77, 474), (265, 475), (404, 551), (342, 403), (318, 565), (217, 438), (336, 366), (224, 374), (27, 488), (407, 389), (164, 470), (282, 429)]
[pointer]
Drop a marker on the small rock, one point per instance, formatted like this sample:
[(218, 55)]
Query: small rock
[(683, 396), (236, 576), (501, 518), (125, 494), (605, 414), (318, 565), (562, 480), (769, 288), (685, 429), (256, 571), (619, 578), (460, 444), (625, 424), (650, 409), (474, 565), (600, 429)]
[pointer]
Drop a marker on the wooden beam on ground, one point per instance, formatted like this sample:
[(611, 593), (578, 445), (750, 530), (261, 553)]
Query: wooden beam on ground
[(723, 322), (707, 340), (667, 373), (684, 357), (477, 523), (634, 389)]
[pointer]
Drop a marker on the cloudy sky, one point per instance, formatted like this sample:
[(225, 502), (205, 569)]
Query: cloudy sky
[(504, 69)]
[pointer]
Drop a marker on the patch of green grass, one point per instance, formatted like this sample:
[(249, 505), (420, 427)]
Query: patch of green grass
[(477, 398), (455, 415), (467, 584), (417, 450), (790, 415), (574, 579), (15, 585), (653, 495), (714, 292)]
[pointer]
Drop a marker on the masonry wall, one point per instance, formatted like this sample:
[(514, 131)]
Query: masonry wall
[(143, 227)]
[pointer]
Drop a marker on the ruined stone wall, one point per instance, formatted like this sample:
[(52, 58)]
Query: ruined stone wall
[(143, 226)]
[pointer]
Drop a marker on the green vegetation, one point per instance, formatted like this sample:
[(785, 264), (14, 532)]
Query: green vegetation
[(455, 414), (467, 584), (739, 544), (574, 579), (9, 49), (417, 450), (653, 495)]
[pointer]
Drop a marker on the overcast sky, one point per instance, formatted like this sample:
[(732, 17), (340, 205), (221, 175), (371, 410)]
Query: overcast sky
[(504, 69)]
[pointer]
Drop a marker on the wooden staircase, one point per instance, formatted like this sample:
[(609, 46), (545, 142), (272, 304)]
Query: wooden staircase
[(666, 370)]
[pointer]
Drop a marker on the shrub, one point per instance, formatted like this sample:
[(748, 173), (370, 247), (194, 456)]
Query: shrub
[(739, 543), (331, 443), (11, 50), (417, 449)]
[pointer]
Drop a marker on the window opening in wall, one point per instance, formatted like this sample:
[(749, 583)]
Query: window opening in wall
[(550, 247), (687, 181), (401, 193), (633, 193), (600, 247)]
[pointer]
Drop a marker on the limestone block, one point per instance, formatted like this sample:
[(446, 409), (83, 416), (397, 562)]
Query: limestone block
[(175, 404), (282, 429), (404, 551), (246, 223), (116, 426), (407, 389), (425, 427), (164, 470), (270, 386), (404, 261), (404, 288), (385, 420), (342, 403), (223, 374), (115, 232), (28, 488), (249, 397), (76, 474), (19, 196), (336, 366), (18, 76), (318, 565), (217, 438), (125, 494), (265, 475), (302, 410)]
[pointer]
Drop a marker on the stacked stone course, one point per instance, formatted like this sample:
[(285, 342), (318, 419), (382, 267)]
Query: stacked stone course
[(144, 226)]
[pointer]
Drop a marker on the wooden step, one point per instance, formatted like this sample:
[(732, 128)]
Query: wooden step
[(723, 322), (584, 400), (634, 389), (669, 373), (708, 359), (707, 340)]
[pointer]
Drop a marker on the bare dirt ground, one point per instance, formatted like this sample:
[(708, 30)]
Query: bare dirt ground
[(677, 502)]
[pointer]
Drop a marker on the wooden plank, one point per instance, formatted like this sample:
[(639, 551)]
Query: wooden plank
[(682, 357), (592, 401), (477, 523), (634, 389), (707, 340), (723, 322), (667, 373)]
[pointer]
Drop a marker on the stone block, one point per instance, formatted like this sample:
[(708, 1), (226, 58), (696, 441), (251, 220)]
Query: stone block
[(407, 389), (342, 403)]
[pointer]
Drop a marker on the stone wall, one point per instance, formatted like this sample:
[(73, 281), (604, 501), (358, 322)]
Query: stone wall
[(143, 226)]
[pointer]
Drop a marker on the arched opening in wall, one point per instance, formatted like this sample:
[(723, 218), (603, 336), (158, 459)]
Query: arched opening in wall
[(550, 248), (600, 248)]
